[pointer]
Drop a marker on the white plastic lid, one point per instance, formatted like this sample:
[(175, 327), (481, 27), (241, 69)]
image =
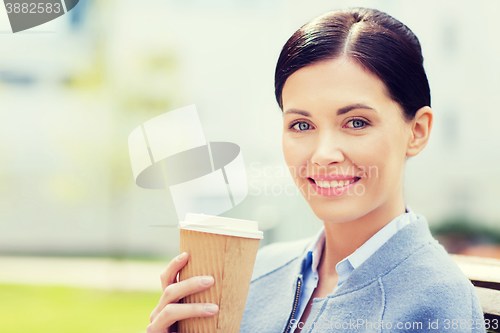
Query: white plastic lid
[(221, 225)]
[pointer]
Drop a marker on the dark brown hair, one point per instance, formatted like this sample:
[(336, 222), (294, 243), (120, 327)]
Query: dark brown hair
[(376, 40)]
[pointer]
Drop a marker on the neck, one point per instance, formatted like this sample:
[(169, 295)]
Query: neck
[(342, 239)]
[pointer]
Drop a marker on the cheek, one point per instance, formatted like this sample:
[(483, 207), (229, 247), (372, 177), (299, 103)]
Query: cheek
[(286, 150), (296, 155), (293, 152), (382, 158), (374, 155)]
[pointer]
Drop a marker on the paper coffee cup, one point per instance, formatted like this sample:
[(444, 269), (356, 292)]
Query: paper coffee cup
[(224, 248)]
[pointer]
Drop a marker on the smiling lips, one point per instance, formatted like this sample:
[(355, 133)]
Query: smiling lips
[(333, 180), (332, 185)]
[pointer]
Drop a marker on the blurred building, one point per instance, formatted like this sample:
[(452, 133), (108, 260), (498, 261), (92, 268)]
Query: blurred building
[(73, 89)]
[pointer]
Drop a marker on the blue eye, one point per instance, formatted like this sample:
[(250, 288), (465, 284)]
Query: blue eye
[(357, 123), (303, 126)]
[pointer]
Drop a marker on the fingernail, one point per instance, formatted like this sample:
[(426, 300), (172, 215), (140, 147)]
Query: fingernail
[(207, 280), (181, 256), (211, 308)]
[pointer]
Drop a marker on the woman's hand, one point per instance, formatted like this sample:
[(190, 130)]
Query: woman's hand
[(168, 311)]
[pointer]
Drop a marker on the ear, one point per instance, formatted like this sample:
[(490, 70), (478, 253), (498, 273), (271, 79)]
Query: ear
[(421, 127)]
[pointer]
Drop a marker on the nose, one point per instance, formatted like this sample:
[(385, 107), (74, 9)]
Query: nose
[(328, 150)]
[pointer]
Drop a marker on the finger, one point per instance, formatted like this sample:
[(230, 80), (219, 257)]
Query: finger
[(174, 312), (168, 276), (174, 292)]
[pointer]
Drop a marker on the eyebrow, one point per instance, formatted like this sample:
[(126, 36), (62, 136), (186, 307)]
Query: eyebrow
[(340, 111)]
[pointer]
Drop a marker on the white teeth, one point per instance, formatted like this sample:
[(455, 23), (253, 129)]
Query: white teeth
[(333, 183)]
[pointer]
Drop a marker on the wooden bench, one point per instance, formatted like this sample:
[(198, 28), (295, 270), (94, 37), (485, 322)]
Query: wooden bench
[(484, 273)]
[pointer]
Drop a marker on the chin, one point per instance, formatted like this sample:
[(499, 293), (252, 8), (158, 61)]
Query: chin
[(339, 212)]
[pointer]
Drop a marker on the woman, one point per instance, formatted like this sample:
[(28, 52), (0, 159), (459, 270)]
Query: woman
[(356, 105)]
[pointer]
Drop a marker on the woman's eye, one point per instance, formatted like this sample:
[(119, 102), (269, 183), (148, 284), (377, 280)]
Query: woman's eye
[(300, 126), (357, 123)]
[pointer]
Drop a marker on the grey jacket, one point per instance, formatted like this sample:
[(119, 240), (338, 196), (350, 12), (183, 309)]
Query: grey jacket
[(410, 284)]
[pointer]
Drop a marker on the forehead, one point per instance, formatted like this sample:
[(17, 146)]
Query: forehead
[(334, 83)]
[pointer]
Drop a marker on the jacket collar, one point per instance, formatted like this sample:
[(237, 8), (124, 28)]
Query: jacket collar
[(400, 246)]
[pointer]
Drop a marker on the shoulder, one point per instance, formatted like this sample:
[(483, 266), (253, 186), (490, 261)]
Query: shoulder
[(429, 286), (276, 255), (431, 265)]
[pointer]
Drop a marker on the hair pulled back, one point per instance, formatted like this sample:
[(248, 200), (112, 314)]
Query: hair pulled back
[(378, 42)]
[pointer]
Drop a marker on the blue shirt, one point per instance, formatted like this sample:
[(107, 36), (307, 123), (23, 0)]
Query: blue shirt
[(347, 265)]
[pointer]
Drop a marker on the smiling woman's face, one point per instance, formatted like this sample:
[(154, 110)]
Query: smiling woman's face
[(339, 123)]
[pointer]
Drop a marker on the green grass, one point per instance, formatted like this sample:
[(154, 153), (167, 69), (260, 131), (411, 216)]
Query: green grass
[(54, 309)]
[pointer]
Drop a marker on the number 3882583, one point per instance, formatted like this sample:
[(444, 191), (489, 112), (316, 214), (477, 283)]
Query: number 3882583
[(33, 8)]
